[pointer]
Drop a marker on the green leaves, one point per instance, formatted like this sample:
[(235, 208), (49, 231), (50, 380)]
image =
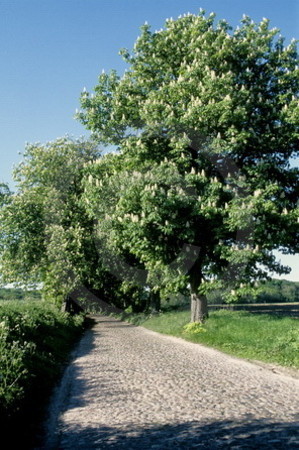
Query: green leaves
[(45, 233), (204, 122)]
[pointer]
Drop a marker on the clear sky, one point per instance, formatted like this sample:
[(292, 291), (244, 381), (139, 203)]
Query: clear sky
[(51, 49)]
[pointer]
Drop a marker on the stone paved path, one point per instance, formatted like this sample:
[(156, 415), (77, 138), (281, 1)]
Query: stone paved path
[(131, 388)]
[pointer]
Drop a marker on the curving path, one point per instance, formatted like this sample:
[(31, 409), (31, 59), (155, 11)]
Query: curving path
[(131, 388)]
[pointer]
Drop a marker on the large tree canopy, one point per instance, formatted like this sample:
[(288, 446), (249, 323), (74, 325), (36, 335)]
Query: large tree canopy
[(206, 121)]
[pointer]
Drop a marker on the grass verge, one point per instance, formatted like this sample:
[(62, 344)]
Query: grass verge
[(262, 337), (35, 342)]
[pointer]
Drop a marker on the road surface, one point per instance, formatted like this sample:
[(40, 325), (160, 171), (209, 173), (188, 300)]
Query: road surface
[(131, 388)]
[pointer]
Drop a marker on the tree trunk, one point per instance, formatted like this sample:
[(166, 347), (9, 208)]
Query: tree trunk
[(199, 304), (71, 306), (199, 307)]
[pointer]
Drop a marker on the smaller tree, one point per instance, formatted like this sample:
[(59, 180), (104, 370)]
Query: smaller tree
[(42, 227), (46, 234)]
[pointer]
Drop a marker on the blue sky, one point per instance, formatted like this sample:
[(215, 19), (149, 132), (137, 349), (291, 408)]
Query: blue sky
[(51, 49)]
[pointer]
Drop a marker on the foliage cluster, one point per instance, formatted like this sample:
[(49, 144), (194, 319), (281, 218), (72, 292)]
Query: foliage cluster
[(270, 291), (276, 291), (35, 340)]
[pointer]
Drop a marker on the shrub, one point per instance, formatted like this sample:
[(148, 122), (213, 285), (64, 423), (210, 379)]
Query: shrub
[(35, 340), (194, 328)]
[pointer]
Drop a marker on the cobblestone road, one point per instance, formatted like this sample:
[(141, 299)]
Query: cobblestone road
[(131, 388)]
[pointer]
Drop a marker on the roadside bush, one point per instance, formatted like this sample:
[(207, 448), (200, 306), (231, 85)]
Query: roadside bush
[(35, 341)]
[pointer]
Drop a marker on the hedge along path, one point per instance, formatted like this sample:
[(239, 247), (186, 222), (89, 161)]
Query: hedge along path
[(128, 387)]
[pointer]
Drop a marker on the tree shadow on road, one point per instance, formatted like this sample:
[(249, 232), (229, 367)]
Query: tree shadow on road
[(227, 434)]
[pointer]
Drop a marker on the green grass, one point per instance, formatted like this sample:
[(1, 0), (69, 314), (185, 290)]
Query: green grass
[(35, 341), (253, 336)]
